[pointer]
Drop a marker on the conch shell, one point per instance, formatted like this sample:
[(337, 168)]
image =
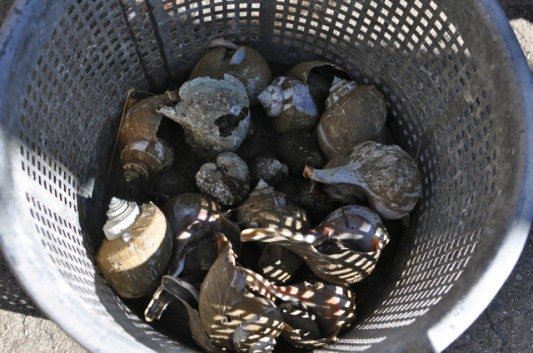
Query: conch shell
[(289, 102), (386, 174), (242, 62), (135, 253), (354, 114), (213, 113), (227, 180), (343, 249), (143, 153), (232, 316)]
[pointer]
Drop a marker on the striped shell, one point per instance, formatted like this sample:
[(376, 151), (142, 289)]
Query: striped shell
[(385, 174), (134, 262), (140, 158), (289, 102), (329, 250), (232, 316)]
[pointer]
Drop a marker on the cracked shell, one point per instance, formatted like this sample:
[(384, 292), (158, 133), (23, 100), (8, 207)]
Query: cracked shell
[(136, 251), (227, 180), (386, 174), (290, 105), (242, 62), (213, 113), (354, 114)]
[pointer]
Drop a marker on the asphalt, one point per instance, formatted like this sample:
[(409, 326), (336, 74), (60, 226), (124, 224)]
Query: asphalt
[(505, 326)]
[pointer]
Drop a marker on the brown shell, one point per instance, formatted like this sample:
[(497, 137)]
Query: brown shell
[(253, 71), (135, 267), (141, 119), (356, 117), (302, 71), (140, 158), (298, 149)]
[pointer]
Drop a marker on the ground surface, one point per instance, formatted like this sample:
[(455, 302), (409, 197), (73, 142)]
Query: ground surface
[(506, 325)]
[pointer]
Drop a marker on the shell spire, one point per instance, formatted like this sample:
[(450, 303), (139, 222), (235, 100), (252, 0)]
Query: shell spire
[(121, 214), (339, 88)]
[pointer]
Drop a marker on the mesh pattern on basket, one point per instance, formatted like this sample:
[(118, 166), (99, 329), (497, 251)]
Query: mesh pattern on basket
[(410, 49)]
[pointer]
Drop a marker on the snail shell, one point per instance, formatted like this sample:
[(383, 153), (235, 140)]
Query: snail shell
[(336, 251), (136, 257), (267, 167), (354, 114), (386, 174), (213, 113), (232, 316), (242, 62), (289, 102), (143, 152), (318, 75), (298, 149), (333, 306), (227, 180)]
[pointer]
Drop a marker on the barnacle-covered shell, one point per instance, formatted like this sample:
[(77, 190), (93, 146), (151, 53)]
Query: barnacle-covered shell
[(227, 180), (333, 306), (354, 114), (143, 153), (299, 149), (386, 174), (290, 104), (136, 257), (213, 113), (264, 208), (344, 249), (195, 219), (231, 315), (267, 167), (242, 62), (319, 76)]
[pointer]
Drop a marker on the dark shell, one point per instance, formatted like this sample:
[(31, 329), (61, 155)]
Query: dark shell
[(231, 316), (290, 105), (243, 62), (356, 117), (262, 140), (299, 149), (141, 158), (386, 174), (227, 180), (267, 167)]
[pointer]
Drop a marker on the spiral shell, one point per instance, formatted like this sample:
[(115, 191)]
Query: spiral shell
[(354, 114), (386, 174), (242, 62), (227, 180), (213, 113), (136, 258), (267, 167), (290, 104), (140, 158)]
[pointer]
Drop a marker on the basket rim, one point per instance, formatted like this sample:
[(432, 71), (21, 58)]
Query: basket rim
[(42, 284)]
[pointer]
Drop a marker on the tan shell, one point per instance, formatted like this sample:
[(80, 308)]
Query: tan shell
[(140, 158), (134, 267), (354, 117), (243, 62), (302, 71)]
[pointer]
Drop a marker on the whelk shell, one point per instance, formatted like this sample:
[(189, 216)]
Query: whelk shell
[(136, 257)]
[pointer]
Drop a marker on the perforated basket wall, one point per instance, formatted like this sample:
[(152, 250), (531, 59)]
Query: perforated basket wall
[(458, 103)]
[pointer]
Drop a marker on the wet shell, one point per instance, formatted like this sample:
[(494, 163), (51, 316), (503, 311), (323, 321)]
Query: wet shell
[(334, 250), (267, 167), (137, 257), (195, 219), (213, 113), (143, 153), (232, 316), (290, 104), (242, 62), (319, 76), (355, 114), (298, 149), (227, 180), (386, 174), (333, 306)]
